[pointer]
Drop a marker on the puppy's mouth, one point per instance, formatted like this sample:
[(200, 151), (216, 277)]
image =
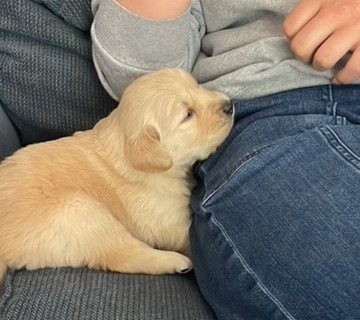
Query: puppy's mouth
[(215, 140)]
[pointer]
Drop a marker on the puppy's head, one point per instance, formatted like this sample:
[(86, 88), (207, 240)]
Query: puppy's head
[(169, 120)]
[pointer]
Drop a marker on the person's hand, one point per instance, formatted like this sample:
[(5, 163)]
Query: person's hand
[(323, 31)]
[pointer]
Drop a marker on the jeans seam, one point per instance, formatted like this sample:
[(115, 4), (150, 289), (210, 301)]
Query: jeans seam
[(344, 151), (250, 271), (236, 168)]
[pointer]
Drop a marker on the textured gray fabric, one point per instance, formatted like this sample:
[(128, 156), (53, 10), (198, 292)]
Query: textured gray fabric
[(235, 46), (9, 141), (2, 288), (84, 294), (48, 84)]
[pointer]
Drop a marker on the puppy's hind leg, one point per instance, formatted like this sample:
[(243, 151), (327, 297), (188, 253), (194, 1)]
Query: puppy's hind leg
[(84, 232)]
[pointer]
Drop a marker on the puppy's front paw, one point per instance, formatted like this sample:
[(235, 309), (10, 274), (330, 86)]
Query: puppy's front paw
[(181, 263), (167, 262)]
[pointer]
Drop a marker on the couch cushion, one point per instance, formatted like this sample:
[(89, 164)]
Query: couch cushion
[(67, 293), (9, 140), (49, 87)]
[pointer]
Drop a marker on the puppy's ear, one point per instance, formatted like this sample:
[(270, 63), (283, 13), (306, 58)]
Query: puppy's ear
[(145, 153)]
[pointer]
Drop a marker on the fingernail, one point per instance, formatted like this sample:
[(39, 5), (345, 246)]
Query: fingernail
[(334, 81)]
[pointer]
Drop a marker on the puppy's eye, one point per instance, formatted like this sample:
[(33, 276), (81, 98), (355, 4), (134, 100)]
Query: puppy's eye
[(189, 114)]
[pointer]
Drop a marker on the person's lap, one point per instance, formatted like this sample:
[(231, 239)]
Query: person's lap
[(276, 231)]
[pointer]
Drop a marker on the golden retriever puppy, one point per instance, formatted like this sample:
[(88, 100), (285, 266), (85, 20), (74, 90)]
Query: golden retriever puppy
[(115, 197)]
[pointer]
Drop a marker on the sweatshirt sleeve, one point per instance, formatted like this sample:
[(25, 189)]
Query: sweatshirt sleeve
[(126, 46)]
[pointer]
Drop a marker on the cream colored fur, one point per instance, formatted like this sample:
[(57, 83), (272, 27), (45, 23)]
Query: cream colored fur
[(115, 197)]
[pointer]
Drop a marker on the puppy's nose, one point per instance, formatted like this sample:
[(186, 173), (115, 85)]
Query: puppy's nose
[(227, 108)]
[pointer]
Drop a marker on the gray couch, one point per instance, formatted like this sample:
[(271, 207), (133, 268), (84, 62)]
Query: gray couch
[(49, 89)]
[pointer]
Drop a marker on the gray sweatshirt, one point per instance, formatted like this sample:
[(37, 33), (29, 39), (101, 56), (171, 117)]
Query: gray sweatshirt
[(235, 46)]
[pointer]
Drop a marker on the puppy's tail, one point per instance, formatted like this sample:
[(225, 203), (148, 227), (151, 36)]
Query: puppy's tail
[(3, 269)]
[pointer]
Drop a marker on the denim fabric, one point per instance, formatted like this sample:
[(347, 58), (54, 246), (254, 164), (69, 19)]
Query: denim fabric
[(9, 141), (276, 230)]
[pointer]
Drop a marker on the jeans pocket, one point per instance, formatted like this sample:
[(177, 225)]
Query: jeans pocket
[(345, 141), (243, 146)]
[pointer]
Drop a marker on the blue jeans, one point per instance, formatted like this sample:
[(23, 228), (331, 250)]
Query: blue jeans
[(276, 230)]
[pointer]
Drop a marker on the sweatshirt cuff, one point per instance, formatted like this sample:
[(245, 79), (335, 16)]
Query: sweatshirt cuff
[(139, 42)]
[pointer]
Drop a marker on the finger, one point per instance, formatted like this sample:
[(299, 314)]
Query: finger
[(300, 16), (336, 46), (353, 48), (351, 72), (313, 34)]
